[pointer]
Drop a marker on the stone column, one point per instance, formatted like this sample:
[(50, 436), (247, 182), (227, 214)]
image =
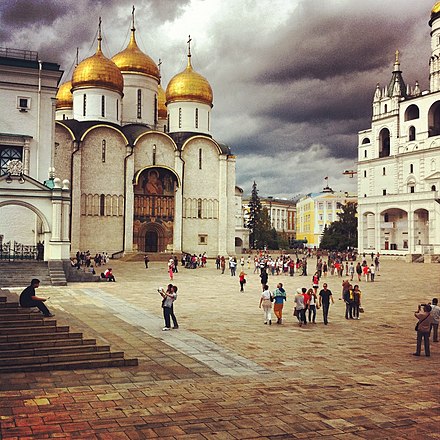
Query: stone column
[(222, 207), (56, 210), (65, 211), (411, 231), (75, 236), (129, 201), (178, 206), (377, 232), (26, 154)]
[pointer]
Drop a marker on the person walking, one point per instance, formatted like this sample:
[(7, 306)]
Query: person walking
[(357, 295), (168, 306), (28, 299), (171, 268), (325, 296), (266, 303), (299, 310), (423, 327), (359, 271), (435, 314), (264, 277), (146, 261), (242, 280), (223, 264), (279, 296), (372, 272), (312, 305)]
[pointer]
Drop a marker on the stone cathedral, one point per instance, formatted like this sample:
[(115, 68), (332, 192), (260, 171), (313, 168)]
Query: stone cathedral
[(146, 175)]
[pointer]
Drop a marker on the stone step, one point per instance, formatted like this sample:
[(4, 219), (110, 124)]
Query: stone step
[(19, 316), (26, 331), (64, 358), (9, 305), (51, 351), (42, 337), (10, 322), (22, 345), (72, 365)]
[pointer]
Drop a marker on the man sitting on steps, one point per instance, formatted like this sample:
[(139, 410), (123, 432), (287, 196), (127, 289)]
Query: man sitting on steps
[(29, 299)]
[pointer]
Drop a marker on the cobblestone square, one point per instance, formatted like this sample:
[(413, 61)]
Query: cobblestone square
[(224, 374)]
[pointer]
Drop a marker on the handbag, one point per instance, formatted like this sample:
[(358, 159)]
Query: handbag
[(361, 310), (295, 312), (416, 328)]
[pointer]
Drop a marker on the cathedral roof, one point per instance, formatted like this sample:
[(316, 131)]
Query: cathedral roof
[(189, 86), (64, 96), (98, 71), (435, 13), (133, 60)]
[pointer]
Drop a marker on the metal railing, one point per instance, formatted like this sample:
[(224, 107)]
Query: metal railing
[(19, 54)]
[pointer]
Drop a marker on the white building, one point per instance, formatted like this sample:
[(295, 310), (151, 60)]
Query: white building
[(399, 164), (146, 173), (32, 209)]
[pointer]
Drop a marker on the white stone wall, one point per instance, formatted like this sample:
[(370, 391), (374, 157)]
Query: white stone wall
[(112, 106), (188, 117)]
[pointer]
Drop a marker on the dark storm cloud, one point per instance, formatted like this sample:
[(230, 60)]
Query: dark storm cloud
[(21, 13)]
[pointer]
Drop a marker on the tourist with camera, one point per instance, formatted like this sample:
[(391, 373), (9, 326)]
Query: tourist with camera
[(423, 328)]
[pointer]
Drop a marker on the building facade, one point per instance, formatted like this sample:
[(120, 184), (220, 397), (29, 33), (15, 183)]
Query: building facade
[(316, 210), (399, 164), (34, 205)]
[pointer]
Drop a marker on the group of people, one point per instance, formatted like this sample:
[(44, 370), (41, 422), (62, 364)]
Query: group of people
[(306, 302), (428, 316)]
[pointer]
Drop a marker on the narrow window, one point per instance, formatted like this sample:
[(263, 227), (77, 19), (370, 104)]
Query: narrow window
[(180, 118), (365, 173), (386, 218), (200, 158), (84, 104), (103, 150), (433, 188), (209, 120), (412, 134), (139, 104), (168, 123), (383, 171), (411, 189), (199, 208), (155, 109), (365, 153), (154, 154), (197, 118), (102, 204), (117, 109), (386, 108), (384, 192), (103, 106), (411, 168)]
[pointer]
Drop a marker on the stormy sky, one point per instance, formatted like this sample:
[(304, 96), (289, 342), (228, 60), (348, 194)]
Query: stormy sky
[(293, 81)]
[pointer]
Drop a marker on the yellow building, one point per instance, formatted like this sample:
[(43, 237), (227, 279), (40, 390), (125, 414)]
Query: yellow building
[(315, 210)]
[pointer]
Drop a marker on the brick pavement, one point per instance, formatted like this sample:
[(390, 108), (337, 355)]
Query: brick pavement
[(225, 375)]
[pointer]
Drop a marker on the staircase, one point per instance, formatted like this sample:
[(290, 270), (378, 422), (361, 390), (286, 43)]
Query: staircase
[(56, 272), (20, 273), (30, 342)]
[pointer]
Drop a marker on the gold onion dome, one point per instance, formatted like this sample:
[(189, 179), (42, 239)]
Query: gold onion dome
[(189, 86), (133, 60), (161, 99), (436, 8), (64, 96), (98, 71)]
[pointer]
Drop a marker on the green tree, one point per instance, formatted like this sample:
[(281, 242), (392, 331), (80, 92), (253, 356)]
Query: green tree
[(254, 217), (341, 234)]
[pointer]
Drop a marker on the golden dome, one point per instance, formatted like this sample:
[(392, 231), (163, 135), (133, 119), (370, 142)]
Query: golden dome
[(189, 86), (98, 71), (64, 96), (132, 59), (161, 107), (436, 8)]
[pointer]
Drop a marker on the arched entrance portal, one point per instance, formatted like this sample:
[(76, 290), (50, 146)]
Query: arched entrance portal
[(154, 189)]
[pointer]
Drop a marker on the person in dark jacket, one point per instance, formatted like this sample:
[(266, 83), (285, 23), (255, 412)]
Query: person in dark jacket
[(29, 299)]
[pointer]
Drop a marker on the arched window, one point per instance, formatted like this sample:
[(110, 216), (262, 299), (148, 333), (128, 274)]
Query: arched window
[(384, 171), (102, 204), (103, 148), (385, 108), (384, 142), (168, 123), (200, 158), (197, 118), (180, 118), (433, 188), (103, 106), (434, 119), (412, 112), (365, 173), (365, 153), (365, 141), (139, 104), (155, 109), (84, 104), (386, 218), (199, 208), (412, 133), (117, 109), (411, 168)]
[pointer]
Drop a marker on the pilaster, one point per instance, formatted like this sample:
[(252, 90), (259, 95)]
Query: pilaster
[(178, 204), (129, 201)]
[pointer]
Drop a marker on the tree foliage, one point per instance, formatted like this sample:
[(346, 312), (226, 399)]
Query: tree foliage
[(342, 234), (254, 216)]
